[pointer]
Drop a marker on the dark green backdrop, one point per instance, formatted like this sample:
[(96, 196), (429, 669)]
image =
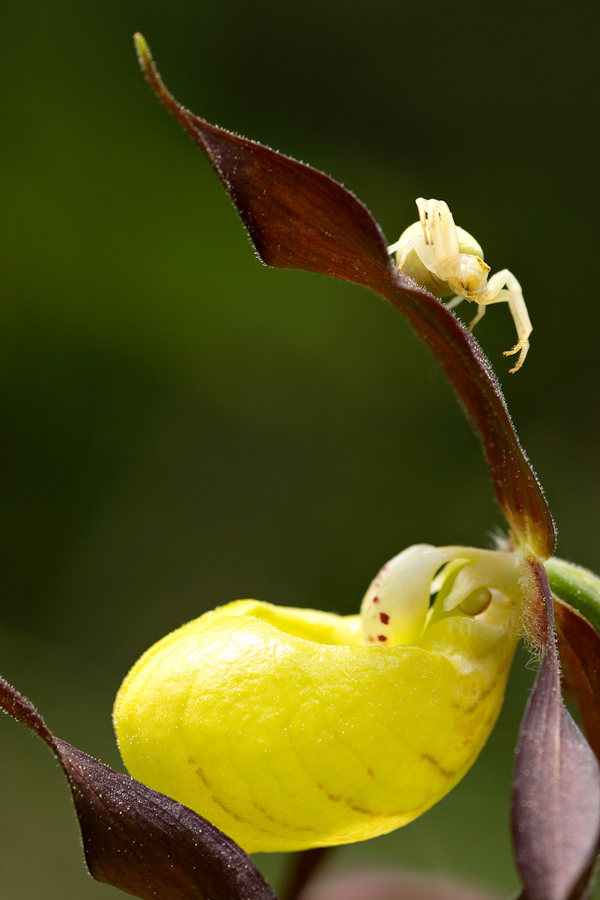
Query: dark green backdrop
[(183, 427)]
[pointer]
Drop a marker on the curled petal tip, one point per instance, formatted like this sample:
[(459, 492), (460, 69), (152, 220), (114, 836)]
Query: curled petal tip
[(300, 218), (148, 66), (142, 49)]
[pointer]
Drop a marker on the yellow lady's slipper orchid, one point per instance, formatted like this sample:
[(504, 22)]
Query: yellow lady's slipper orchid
[(292, 728)]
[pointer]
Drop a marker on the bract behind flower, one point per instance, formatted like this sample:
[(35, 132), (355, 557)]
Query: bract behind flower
[(283, 729)]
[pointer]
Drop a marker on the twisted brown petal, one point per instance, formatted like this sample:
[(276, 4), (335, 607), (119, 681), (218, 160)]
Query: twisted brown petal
[(139, 840), (576, 594), (579, 646), (556, 785), (300, 218)]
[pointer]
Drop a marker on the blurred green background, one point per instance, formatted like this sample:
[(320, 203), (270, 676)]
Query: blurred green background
[(183, 427)]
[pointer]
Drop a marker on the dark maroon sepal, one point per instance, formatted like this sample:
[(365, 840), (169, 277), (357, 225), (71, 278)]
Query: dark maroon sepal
[(300, 218), (556, 785), (139, 840), (297, 217), (579, 647)]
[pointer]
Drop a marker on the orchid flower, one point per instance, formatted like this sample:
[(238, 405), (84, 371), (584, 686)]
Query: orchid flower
[(259, 727)]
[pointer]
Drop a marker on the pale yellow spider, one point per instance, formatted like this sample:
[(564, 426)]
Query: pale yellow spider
[(448, 261)]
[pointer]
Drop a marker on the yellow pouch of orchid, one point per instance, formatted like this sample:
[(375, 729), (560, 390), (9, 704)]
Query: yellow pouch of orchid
[(292, 728)]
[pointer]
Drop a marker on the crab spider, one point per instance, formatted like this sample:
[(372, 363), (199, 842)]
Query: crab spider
[(448, 261)]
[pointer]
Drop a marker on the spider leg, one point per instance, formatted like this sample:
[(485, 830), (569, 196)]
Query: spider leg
[(393, 248), (439, 229), (425, 252), (478, 317), (411, 245), (513, 295), (423, 207), (445, 235), (524, 328)]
